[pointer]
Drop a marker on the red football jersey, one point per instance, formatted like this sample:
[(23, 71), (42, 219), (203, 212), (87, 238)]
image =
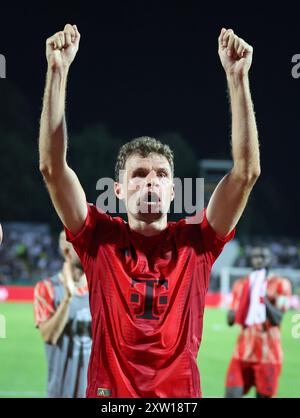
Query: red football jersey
[(147, 299)]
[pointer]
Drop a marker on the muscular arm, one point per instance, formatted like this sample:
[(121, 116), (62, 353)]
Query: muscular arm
[(230, 196), (64, 187), (52, 328)]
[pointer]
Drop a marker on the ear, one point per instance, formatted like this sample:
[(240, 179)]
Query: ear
[(119, 190)]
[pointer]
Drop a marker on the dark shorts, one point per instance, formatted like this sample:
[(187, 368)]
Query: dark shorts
[(247, 374)]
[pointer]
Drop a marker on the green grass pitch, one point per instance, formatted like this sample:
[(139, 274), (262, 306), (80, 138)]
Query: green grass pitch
[(23, 368)]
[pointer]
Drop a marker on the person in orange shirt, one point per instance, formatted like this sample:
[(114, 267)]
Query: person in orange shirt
[(62, 315), (258, 304)]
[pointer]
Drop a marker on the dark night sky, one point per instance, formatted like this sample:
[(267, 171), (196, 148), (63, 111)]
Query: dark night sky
[(143, 69)]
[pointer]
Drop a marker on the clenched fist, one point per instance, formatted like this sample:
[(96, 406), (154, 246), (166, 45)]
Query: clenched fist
[(235, 54), (62, 47)]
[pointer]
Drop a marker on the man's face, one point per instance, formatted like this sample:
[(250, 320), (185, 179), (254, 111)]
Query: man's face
[(70, 256), (73, 258), (147, 187), (260, 258)]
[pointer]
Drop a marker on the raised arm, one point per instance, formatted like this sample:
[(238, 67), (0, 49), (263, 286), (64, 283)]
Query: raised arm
[(64, 187), (230, 196)]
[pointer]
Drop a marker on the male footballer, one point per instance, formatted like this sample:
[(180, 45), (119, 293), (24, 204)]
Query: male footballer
[(147, 277)]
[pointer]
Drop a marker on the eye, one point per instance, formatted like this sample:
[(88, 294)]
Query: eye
[(162, 173), (139, 173)]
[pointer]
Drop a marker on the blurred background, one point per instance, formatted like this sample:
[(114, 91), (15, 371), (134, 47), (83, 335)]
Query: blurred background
[(145, 68)]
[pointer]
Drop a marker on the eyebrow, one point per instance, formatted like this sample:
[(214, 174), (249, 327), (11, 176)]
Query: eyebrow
[(146, 170)]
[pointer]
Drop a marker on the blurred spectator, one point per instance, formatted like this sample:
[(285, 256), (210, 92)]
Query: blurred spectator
[(285, 252), (29, 253)]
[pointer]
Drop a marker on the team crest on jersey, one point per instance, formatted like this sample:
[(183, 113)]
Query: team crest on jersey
[(102, 392), (149, 297)]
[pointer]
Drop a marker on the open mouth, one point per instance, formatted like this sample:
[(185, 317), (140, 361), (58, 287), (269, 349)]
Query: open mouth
[(151, 198)]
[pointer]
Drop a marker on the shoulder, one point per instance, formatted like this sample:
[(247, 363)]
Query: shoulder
[(98, 216), (196, 230), (282, 284), (243, 280), (239, 284), (99, 227), (45, 285), (44, 290)]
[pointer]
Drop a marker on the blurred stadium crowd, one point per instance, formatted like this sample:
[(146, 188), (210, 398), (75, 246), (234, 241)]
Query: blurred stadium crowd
[(285, 252), (30, 253)]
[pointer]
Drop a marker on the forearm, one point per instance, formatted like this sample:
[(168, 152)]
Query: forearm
[(230, 317), (245, 146), (52, 329), (53, 132), (274, 314)]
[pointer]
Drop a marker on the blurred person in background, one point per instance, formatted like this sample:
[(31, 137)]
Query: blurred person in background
[(258, 304), (62, 314)]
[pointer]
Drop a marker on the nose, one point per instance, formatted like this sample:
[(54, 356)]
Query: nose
[(151, 178)]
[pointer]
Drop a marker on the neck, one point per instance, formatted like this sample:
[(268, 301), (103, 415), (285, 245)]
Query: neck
[(147, 228)]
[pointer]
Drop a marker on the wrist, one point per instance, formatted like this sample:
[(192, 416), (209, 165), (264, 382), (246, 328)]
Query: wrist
[(237, 80), (60, 71), (67, 299)]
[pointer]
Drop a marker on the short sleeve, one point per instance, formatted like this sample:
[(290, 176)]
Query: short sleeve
[(43, 302), (212, 242), (97, 228), (236, 294)]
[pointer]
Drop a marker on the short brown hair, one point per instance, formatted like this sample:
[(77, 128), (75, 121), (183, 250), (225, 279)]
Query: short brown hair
[(142, 146)]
